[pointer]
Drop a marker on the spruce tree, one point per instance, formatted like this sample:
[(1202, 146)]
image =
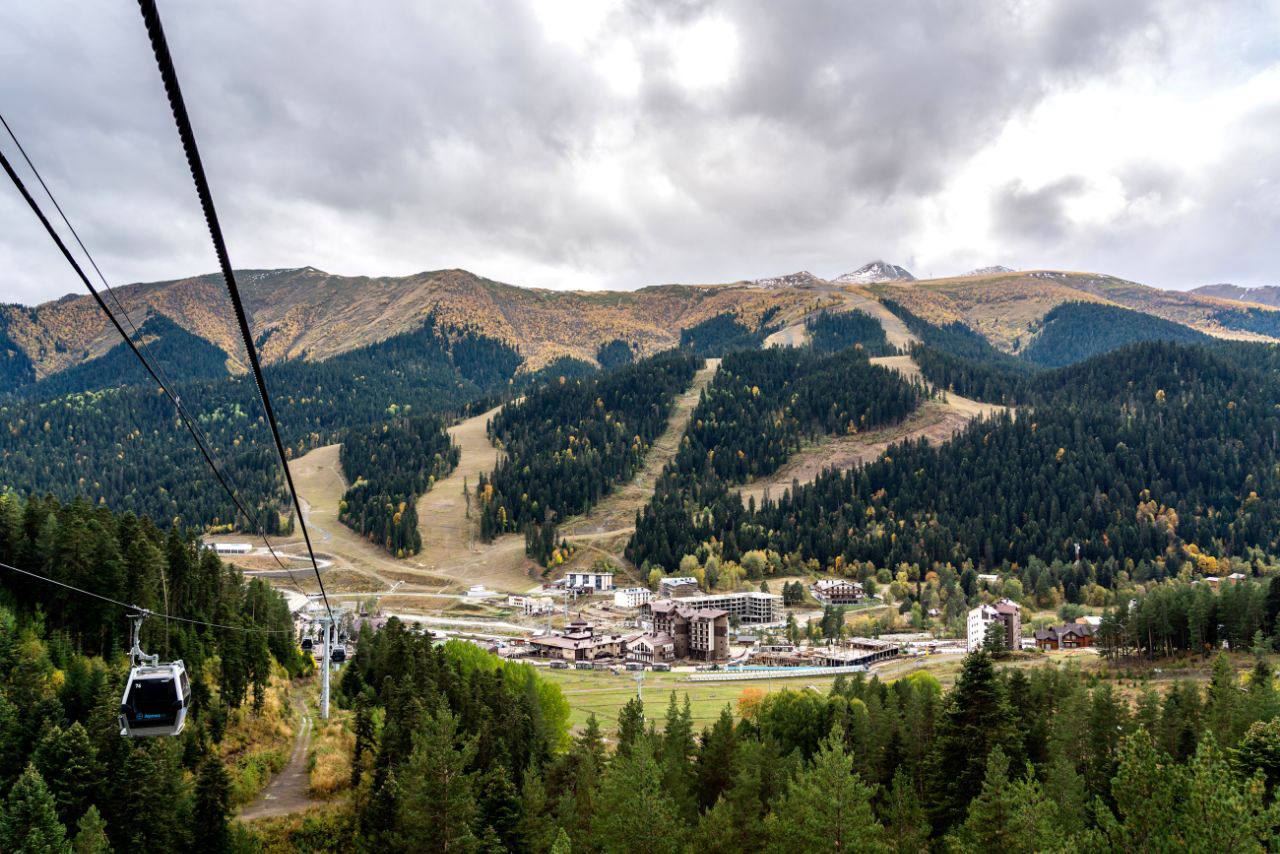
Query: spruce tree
[(91, 834), (905, 821), (827, 807), (636, 816), (438, 804), (29, 819), (630, 725), (213, 806), (69, 762), (976, 719)]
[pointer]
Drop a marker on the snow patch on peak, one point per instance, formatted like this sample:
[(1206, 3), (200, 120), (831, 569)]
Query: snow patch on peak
[(990, 271), (876, 271)]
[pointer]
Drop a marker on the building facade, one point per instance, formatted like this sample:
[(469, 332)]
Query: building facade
[(695, 632), (1069, 636), (600, 582), (745, 607), (837, 591), (1007, 613), (632, 597), (670, 588)]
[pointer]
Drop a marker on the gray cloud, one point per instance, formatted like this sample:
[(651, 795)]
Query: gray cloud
[(392, 138)]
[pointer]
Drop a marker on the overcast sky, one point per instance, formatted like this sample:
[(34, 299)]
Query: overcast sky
[(591, 144)]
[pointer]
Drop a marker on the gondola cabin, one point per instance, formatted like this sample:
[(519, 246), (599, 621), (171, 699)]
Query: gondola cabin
[(339, 654), (155, 700), (307, 644)]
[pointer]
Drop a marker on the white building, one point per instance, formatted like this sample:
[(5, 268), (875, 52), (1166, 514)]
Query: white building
[(632, 597), (532, 606), (601, 582), (230, 548), (1004, 611)]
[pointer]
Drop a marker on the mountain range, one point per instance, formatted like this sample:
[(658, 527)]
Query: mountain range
[(309, 314)]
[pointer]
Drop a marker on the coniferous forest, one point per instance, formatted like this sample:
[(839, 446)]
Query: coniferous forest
[(457, 751), (830, 331), (758, 411), (388, 468), (65, 771), (119, 441), (570, 441), (1178, 463)]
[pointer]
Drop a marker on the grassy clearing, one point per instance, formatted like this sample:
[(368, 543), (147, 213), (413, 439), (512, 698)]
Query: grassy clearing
[(329, 765), (257, 744), (604, 694)]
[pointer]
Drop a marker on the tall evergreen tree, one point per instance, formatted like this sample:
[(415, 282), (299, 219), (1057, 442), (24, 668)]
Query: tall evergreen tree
[(213, 806), (438, 804), (636, 816), (29, 819), (827, 807)]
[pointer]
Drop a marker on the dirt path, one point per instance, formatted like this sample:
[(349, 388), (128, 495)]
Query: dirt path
[(936, 420), (616, 513), (318, 476), (290, 791), (894, 329)]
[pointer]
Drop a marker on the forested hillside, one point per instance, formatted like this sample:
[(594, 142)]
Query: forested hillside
[(724, 333), (388, 467), (569, 442), (830, 331), (757, 412), (472, 756), (65, 771), (1137, 461), (125, 446), (183, 357), (1075, 331)]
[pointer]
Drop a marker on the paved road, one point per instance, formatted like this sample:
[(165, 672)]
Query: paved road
[(290, 791)]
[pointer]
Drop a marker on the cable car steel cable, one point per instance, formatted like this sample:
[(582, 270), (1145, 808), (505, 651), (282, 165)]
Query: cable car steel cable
[(169, 76), (153, 371), (132, 607)]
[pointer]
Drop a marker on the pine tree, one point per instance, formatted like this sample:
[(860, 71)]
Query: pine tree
[(1148, 792), (438, 804), (1007, 815), (213, 806), (905, 821), (827, 807), (636, 816), (29, 819), (977, 719), (630, 725), (91, 834), (1221, 814), (69, 761)]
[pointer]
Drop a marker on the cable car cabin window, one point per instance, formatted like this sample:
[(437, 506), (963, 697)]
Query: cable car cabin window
[(153, 702), (185, 686)]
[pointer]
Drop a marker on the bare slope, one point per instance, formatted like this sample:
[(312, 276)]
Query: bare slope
[(307, 313), (1007, 307)]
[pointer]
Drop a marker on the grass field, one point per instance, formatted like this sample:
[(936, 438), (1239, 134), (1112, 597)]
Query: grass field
[(605, 694)]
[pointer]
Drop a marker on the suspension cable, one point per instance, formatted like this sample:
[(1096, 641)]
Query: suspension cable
[(187, 420), (81, 590), (169, 75)]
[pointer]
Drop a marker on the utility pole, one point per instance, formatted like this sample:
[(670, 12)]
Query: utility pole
[(327, 621)]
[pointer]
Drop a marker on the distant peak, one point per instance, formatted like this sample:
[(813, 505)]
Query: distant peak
[(876, 271), (802, 279), (990, 271)]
